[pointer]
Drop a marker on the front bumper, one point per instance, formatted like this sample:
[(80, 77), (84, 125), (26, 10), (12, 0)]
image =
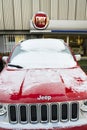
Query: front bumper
[(83, 127), (79, 125)]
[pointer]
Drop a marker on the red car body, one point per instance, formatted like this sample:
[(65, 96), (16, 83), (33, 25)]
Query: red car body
[(43, 98)]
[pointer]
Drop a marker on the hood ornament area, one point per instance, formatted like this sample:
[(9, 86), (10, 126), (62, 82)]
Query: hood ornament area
[(44, 97)]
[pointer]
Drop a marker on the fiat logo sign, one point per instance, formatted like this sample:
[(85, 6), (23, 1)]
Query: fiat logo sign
[(40, 20)]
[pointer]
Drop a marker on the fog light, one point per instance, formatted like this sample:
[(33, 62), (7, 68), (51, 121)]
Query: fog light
[(84, 106), (2, 109)]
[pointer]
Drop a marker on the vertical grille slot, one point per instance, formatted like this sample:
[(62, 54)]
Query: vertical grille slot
[(54, 112), (64, 112), (33, 111), (23, 113), (13, 113), (44, 113), (74, 111)]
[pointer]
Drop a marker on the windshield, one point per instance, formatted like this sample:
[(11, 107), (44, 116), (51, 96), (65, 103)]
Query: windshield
[(33, 56)]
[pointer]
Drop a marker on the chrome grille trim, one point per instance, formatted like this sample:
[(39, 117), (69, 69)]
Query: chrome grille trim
[(33, 108), (15, 113), (24, 109), (74, 113), (64, 112), (43, 113), (54, 111)]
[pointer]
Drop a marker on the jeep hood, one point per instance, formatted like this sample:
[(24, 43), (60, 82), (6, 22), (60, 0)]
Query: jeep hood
[(37, 85)]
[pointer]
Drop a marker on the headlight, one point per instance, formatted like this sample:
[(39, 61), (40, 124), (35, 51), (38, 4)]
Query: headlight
[(2, 109), (84, 106)]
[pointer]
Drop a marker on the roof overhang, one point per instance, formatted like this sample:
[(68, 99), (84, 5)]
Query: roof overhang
[(62, 26)]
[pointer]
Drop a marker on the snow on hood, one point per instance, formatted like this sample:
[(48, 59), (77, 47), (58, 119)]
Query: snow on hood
[(11, 81), (74, 79), (71, 78)]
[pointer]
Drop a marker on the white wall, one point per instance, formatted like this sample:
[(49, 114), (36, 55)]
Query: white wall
[(16, 14)]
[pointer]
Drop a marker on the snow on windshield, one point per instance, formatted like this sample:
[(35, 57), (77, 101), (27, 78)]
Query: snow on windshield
[(42, 54)]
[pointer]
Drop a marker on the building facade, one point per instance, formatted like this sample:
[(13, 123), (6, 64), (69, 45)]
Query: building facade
[(16, 25)]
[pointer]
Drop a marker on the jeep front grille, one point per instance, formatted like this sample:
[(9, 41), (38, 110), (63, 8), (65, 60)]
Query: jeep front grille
[(43, 113)]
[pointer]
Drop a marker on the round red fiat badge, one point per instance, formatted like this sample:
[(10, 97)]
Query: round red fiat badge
[(40, 20)]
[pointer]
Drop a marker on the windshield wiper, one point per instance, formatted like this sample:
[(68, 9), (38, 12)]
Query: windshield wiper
[(17, 66)]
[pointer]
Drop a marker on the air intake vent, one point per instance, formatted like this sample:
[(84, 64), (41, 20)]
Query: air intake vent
[(64, 112), (33, 113), (13, 114), (54, 113), (23, 113), (44, 113), (74, 111)]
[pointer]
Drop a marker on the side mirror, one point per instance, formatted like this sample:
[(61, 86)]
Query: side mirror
[(5, 59), (78, 57)]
